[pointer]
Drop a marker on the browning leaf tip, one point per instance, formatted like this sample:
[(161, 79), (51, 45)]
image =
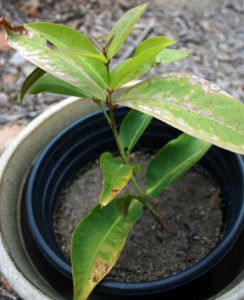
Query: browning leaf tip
[(14, 29)]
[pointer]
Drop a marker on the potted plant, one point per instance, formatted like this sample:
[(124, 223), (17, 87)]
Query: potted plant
[(80, 66)]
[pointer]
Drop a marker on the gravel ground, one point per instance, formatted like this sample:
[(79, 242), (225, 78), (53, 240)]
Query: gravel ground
[(213, 34), (213, 31)]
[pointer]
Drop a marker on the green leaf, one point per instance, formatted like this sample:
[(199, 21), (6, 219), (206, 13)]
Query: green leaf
[(30, 81), (55, 64), (151, 43), (193, 105), (115, 175), (134, 67), (173, 160), (132, 127), (65, 37), (169, 55), (51, 84), (123, 205), (81, 52), (165, 56), (122, 28), (97, 243)]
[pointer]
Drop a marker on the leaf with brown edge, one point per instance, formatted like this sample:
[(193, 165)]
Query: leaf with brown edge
[(14, 29), (97, 243), (32, 47), (115, 175), (66, 38)]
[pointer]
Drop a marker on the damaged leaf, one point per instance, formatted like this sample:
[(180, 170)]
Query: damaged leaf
[(115, 176), (64, 37), (14, 29), (31, 47), (193, 105), (97, 243)]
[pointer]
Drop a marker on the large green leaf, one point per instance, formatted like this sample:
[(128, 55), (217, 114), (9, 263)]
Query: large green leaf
[(122, 28), (65, 37), (136, 66), (97, 243), (193, 105), (31, 47), (173, 160), (51, 84), (115, 176), (132, 127)]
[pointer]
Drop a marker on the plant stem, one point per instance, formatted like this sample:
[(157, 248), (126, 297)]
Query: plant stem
[(111, 121), (116, 135), (104, 111), (144, 199)]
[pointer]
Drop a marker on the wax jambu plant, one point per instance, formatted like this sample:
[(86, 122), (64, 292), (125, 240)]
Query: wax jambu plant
[(80, 66)]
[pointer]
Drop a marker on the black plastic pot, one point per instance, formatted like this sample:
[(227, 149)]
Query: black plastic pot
[(84, 141)]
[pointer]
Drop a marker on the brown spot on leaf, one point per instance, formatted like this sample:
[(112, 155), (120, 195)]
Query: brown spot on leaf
[(115, 190), (101, 268)]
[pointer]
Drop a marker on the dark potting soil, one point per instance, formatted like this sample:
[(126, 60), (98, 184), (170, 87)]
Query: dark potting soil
[(191, 208)]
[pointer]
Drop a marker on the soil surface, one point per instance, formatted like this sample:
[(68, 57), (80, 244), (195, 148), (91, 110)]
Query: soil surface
[(191, 208), (214, 34)]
